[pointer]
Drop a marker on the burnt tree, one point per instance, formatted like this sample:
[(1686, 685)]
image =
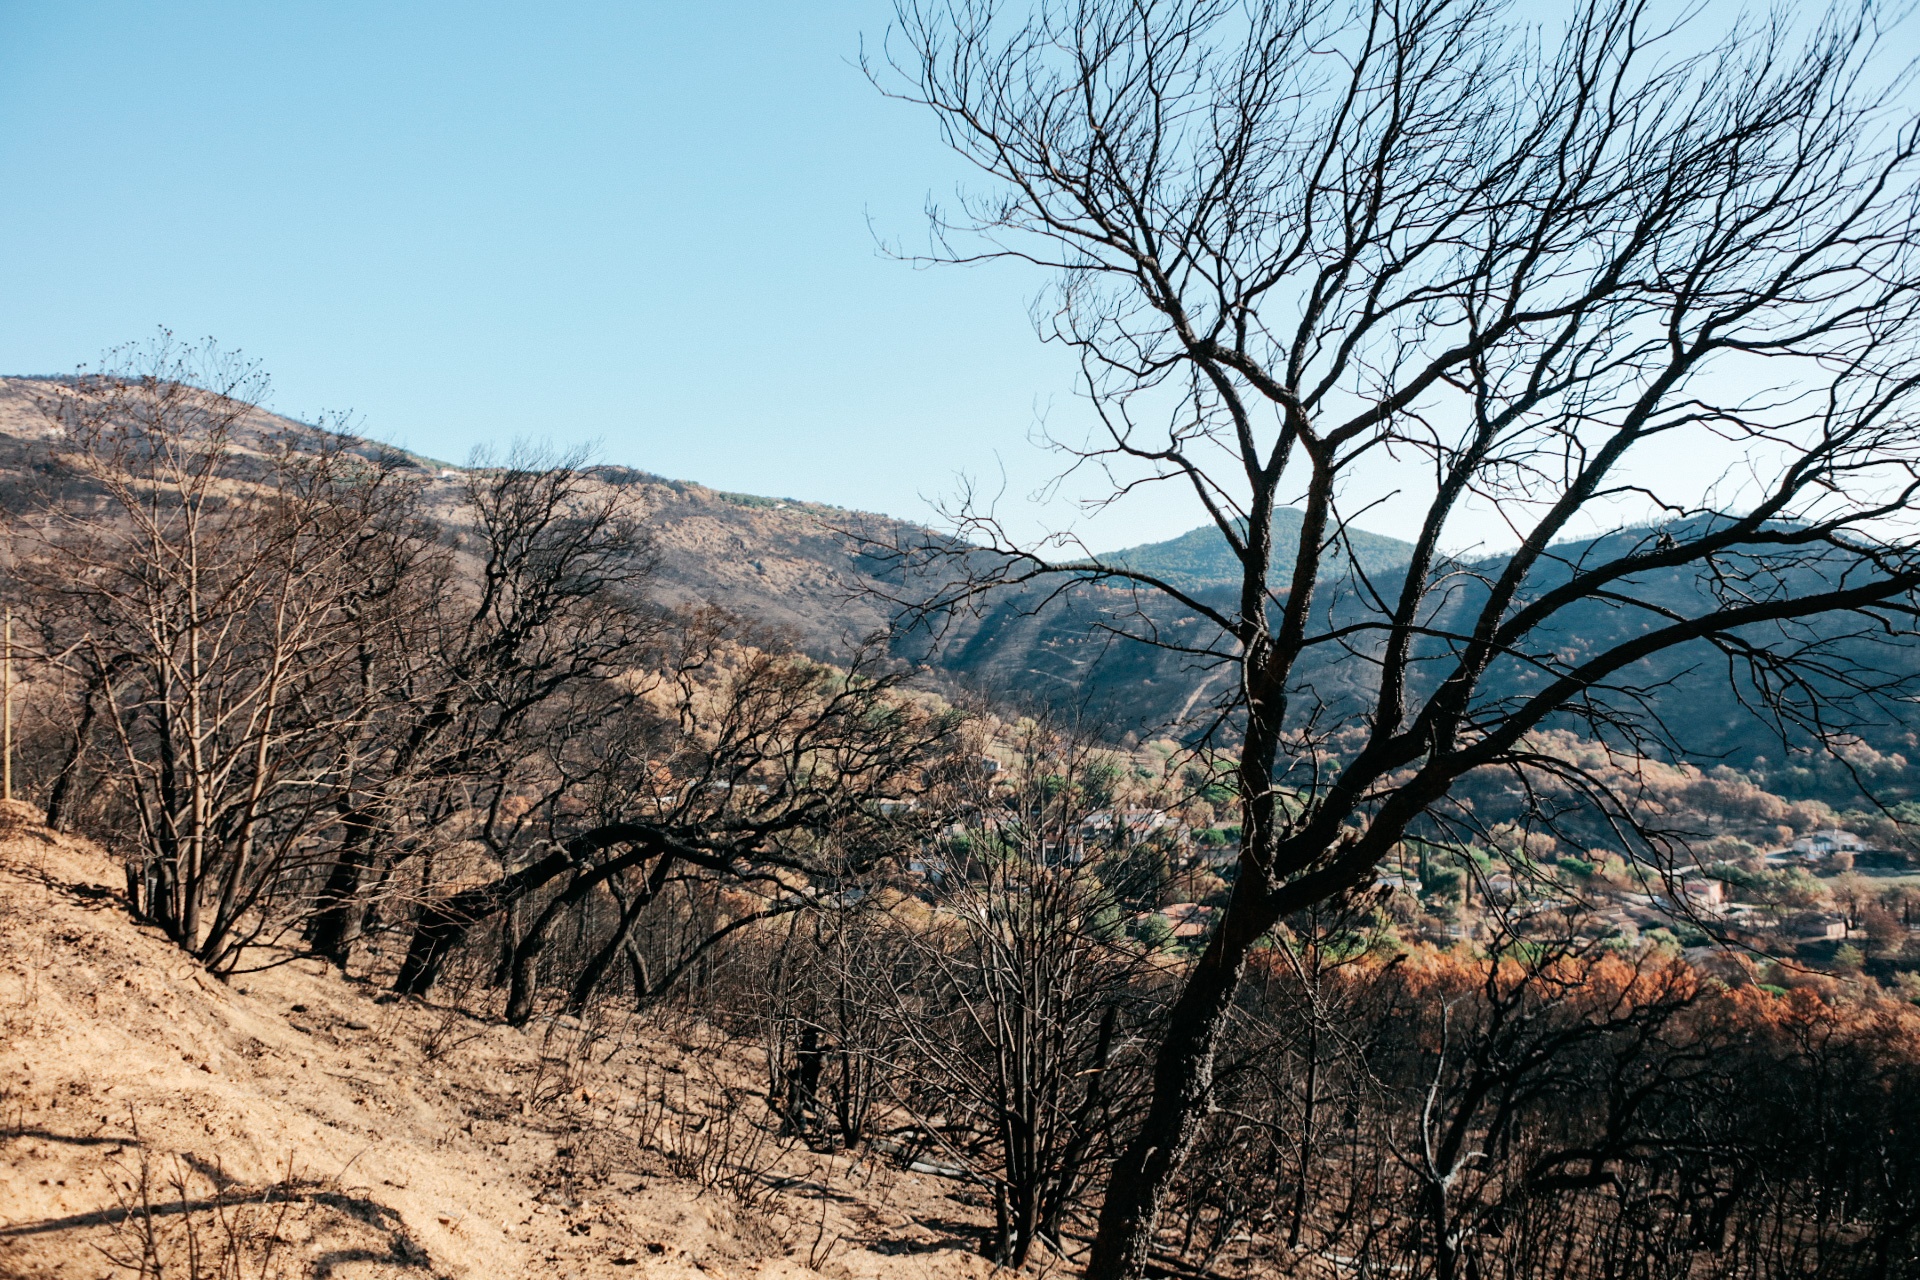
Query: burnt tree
[(1526, 286)]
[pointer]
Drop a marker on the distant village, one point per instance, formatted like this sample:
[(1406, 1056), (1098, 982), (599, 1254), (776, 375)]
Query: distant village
[(1827, 904)]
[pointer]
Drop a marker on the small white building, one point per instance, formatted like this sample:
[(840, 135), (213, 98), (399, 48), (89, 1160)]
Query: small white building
[(1134, 825), (1824, 928), (1830, 840), (1710, 892)]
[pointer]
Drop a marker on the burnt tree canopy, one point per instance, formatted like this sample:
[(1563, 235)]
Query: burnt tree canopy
[(1521, 285)]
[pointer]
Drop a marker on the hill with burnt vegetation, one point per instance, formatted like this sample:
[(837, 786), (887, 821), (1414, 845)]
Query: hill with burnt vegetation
[(799, 568)]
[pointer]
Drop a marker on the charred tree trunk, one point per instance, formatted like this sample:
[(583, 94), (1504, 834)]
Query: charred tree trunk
[(526, 953), (622, 940), (1308, 1106), (60, 797), (803, 1087), (442, 925), (520, 990), (1182, 1095), (510, 933), (336, 920)]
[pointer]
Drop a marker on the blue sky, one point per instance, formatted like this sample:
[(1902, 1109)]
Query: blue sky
[(644, 224), (647, 225)]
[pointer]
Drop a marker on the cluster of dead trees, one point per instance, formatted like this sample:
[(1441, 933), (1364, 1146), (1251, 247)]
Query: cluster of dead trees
[(1550, 1109), (317, 697), (1552, 1104)]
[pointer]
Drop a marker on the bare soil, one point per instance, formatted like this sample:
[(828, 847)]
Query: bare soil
[(155, 1121)]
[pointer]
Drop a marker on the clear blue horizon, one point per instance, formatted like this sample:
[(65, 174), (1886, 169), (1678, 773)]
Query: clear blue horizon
[(649, 226)]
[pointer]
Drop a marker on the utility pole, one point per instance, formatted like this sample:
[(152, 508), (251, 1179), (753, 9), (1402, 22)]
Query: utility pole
[(6, 715)]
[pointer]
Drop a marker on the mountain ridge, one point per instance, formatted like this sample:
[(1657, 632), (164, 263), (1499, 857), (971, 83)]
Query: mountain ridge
[(794, 566), (1200, 558)]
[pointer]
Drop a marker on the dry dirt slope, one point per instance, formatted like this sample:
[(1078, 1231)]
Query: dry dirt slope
[(334, 1136)]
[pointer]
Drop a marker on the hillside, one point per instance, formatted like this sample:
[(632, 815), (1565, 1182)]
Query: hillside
[(1067, 650), (142, 1102), (786, 564), (782, 563), (1200, 559)]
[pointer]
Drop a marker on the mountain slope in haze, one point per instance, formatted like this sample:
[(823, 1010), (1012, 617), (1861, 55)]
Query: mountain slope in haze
[(1711, 700), (1200, 558)]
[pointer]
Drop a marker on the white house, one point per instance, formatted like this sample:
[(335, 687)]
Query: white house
[(1831, 840), (1824, 927), (1136, 824)]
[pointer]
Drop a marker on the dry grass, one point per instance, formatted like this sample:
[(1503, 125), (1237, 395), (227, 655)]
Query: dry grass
[(195, 1223)]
